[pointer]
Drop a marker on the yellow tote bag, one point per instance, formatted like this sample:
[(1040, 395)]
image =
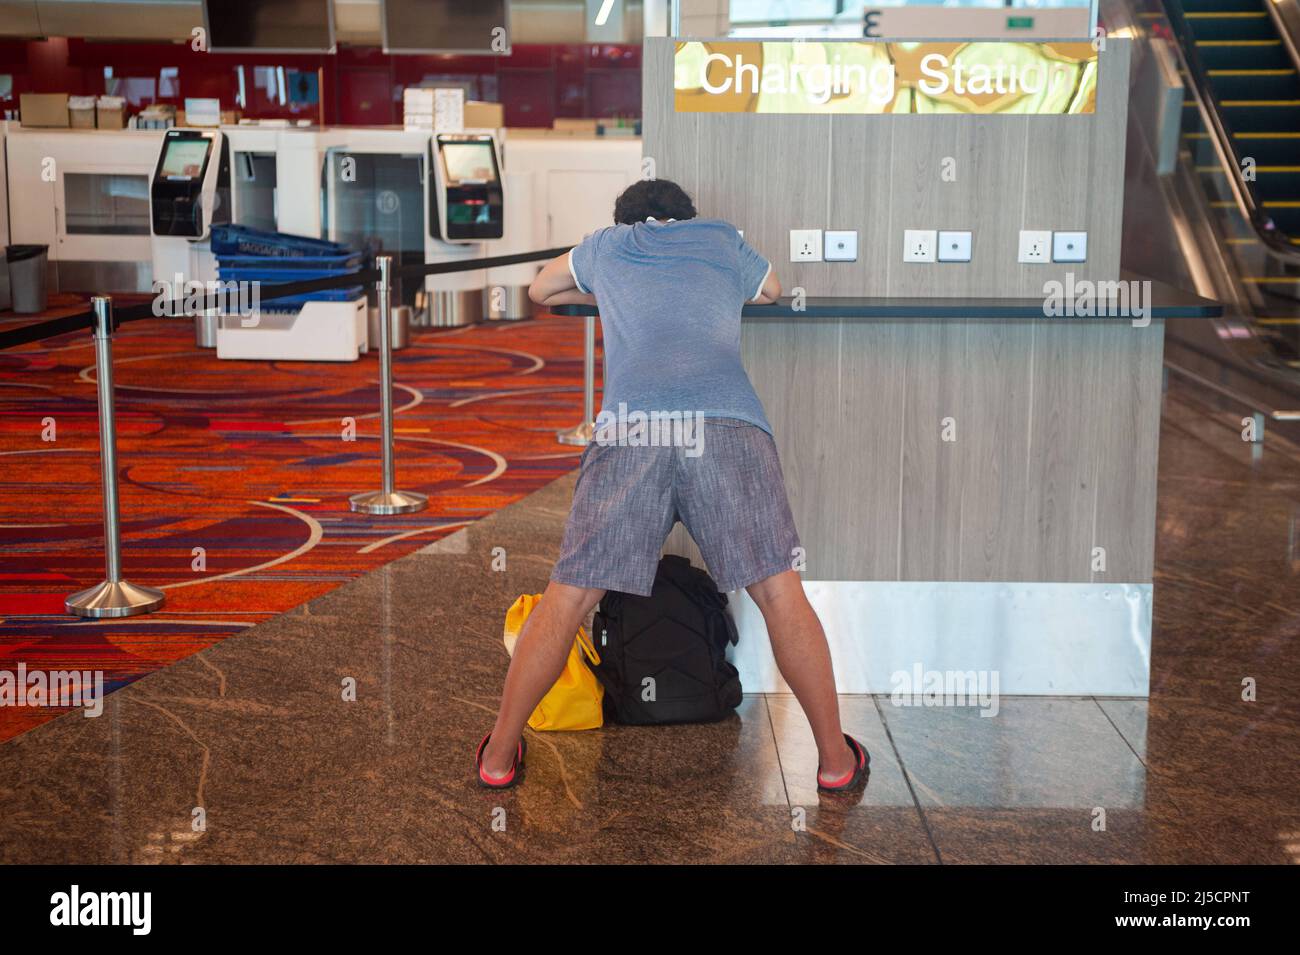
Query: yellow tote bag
[(574, 702)]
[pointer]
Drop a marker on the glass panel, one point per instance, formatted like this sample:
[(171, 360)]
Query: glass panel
[(255, 184), (106, 203), (169, 81), (378, 208), (382, 208)]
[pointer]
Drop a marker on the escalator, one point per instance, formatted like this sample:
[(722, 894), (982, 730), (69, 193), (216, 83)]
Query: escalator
[(1258, 90), (1241, 129), (1212, 195)]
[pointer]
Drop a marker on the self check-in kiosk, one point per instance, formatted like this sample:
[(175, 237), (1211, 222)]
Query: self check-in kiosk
[(467, 205), (466, 209), (190, 192)]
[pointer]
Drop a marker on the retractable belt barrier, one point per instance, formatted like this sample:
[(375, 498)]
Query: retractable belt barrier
[(184, 308), (117, 597)]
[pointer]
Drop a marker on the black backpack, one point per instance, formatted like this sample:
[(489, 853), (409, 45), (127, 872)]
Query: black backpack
[(678, 637)]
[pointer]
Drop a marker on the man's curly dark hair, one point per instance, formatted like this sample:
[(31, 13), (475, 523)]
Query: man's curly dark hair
[(653, 198)]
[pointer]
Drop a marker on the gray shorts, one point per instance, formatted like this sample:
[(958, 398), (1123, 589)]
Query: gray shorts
[(731, 497)]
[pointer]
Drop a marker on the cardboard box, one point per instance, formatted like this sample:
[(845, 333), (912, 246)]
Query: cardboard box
[(110, 112), (43, 109), (574, 127), (479, 115), (110, 117), (81, 112)]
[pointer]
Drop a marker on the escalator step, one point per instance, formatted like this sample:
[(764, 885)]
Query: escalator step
[(1286, 215), (1255, 84), (1269, 149), (1250, 116), (1276, 183), (1211, 6), (1232, 25), (1273, 149), (1242, 54)]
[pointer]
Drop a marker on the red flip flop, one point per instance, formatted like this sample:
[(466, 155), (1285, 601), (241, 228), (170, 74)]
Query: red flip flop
[(853, 779), (505, 782)]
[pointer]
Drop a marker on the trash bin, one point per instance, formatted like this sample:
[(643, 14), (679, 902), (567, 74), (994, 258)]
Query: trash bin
[(27, 277)]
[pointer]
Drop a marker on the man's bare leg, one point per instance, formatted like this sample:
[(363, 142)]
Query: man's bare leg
[(539, 657), (799, 644)]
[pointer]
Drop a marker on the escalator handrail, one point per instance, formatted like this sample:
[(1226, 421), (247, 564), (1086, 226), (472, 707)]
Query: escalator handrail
[(1257, 407), (1286, 19), (1274, 240)]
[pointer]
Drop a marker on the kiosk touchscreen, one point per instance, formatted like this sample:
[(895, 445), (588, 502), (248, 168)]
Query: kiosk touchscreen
[(467, 203), (190, 191), (186, 194)]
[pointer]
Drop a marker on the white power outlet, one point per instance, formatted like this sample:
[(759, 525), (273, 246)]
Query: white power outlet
[(1069, 247), (805, 245), (919, 244), (954, 246), (1035, 247), (841, 246)]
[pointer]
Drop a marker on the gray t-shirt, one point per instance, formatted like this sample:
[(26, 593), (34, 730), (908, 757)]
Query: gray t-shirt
[(670, 295)]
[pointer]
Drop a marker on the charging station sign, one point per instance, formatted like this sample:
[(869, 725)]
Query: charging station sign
[(883, 77)]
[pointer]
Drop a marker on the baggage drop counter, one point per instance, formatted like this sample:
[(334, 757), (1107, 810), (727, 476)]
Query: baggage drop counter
[(974, 483)]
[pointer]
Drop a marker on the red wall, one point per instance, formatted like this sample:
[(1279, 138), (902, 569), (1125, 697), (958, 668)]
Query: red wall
[(358, 85)]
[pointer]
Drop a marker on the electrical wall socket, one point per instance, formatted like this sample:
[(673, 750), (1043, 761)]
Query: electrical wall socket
[(1035, 247), (1069, 247), (954, 246), (805, 245), (841, 246), (918, 245)]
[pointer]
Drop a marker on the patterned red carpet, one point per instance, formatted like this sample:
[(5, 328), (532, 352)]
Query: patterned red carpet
[(235, 478)]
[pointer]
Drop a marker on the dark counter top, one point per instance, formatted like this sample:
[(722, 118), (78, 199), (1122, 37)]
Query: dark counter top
[(1164, 301)]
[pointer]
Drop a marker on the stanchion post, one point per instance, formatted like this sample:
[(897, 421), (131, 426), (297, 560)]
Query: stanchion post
[(113, 597), (581, 434), (387, 500)]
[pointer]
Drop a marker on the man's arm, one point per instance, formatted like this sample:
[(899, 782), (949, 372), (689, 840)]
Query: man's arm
[(555, 285), (770, 291)]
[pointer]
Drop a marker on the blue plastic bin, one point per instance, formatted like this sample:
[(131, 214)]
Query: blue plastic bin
[(227, 240), (347, 260), (271, 258), (278, 276), (242, 273)]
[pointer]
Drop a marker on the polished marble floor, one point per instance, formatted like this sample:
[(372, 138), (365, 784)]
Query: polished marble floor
[(255, 739)]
